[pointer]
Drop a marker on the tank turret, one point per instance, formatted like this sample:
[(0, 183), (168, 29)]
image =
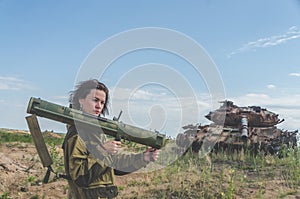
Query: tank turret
[(256, 115)]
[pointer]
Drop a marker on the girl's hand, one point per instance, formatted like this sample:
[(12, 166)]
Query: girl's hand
[(151, 155), (112, 147)]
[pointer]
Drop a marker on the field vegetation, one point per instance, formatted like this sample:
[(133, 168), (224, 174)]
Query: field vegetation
[(237, 175)]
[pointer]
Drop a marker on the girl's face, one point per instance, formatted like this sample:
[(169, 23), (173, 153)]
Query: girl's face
[(94, 102)]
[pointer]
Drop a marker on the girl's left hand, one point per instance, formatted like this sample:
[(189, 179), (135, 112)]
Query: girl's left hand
[(151, 155)]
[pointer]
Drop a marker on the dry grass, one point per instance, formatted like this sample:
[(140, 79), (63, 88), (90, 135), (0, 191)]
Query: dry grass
[(231, 176)]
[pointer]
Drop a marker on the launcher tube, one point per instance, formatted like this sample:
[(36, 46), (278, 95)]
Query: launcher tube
[(113, 128)]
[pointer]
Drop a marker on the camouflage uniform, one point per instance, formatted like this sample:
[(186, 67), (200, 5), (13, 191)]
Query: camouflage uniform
[(87, 171)]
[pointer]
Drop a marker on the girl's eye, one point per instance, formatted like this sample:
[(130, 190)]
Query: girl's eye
[(97, 100)]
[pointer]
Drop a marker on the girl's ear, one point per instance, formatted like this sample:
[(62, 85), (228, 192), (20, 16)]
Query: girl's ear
[(80, 103)]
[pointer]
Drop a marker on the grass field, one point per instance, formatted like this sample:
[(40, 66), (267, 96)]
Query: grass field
[(227, 176)]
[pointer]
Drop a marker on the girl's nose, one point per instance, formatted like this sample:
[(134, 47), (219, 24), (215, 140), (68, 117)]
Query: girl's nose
[(98, 104)]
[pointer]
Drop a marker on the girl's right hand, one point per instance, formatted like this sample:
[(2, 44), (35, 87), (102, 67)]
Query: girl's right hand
[(112, 147)]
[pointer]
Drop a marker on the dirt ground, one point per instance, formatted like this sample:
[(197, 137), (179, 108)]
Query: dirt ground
[(21, 175)]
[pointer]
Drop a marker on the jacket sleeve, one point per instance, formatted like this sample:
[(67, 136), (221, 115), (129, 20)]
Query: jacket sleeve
[(90, 162), (121, 162), (128, 163)]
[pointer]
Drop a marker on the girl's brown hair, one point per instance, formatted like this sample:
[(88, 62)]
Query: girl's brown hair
[(83, 89)]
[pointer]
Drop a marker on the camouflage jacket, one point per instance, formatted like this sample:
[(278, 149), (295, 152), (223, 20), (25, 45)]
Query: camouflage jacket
[(90, 169)]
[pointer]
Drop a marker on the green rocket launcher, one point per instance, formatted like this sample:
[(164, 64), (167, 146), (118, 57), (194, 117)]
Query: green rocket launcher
[(113, 127)]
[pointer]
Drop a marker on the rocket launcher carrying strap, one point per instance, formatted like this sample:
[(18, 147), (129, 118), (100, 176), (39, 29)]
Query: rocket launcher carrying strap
[(119, 130)]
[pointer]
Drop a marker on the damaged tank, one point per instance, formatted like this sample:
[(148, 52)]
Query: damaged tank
[(234, 128), (255, 116)]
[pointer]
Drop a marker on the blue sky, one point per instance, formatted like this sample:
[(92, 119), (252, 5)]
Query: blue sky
[(254, 44)]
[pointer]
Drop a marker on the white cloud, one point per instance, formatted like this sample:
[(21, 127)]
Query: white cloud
[(295, 74), (288, 107), (164, 112), (292, 33), (158, 109), (13, 83), (271, 86)]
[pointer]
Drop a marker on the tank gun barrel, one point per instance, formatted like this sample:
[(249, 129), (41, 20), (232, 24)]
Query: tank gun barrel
[(244, 128)]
